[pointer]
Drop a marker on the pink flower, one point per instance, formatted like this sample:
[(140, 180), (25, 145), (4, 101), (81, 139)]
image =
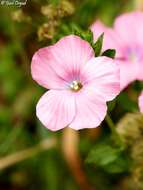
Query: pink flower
[(127, 38), (79, 84), (141, 102)]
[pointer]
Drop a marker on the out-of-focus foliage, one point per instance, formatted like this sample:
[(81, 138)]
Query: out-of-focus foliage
[(110, 158), (22, 31)]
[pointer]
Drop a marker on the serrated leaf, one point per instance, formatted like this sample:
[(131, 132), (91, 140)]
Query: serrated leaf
[(97, 46), (109, 53)]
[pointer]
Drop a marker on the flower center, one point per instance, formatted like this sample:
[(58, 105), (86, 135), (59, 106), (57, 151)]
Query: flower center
[(134, 54), (75, 86)]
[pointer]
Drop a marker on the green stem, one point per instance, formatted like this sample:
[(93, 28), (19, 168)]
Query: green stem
[(110, 124), (116, 137)]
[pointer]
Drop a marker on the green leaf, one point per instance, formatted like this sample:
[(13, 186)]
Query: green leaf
[(109, 158), (97, 46), (102, 155), (109, 53), (126, 102), (88, 35), (111, 105), (79, 33), (119, 165)]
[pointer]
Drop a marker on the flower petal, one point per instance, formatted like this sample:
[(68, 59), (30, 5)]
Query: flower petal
[(128, 72), (43, 73), (56, 109), (102, 74), (140, 101), (140, 70), (90, 110), (129, 27), (69, 54), (54, 66)]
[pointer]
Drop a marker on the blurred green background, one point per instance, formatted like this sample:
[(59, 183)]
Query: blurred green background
[(23, 30)]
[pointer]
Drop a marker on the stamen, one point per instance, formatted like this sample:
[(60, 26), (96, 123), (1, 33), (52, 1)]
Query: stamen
[(76, 86)]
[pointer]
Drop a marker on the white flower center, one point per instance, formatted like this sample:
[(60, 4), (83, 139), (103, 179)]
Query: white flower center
[(75, 85)]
